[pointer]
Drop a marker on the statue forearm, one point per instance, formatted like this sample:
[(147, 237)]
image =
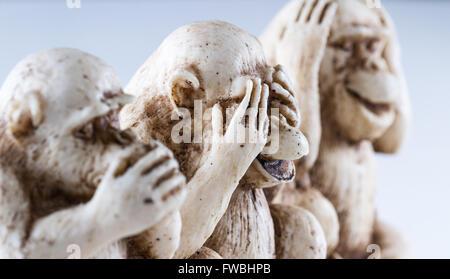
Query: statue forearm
[(210, 191), (51, 236)]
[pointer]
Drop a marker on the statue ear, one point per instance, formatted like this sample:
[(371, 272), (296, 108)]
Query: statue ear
[(26, 114), (181, 87)]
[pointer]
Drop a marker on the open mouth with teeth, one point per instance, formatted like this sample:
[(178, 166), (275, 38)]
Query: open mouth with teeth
[(281, 170), (375, 108)]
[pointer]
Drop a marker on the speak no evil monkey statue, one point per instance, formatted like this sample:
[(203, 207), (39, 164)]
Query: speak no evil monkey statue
[(363, 109), (68, 174)]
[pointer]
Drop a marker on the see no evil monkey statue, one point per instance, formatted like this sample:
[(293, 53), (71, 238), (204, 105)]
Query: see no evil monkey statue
[(364, 108), (223, 67)]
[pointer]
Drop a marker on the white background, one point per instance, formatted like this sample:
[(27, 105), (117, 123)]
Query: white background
[(414, 185)]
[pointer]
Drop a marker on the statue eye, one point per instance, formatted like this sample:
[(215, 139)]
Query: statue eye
[(344, 45), (111, 120), (347, 46), (374, 45), (86, 132), (124, 137), (107, 129)]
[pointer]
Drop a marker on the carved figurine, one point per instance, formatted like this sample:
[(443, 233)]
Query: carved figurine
[(364, 108), (68, 175), (296, 38), (215, 67)]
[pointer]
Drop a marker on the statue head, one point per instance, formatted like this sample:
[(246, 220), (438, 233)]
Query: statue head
[(59, 119), (196, 67), (363, 91)]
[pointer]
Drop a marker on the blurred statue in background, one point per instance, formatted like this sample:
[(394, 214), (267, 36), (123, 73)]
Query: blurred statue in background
[(364, 108), (297, 38)]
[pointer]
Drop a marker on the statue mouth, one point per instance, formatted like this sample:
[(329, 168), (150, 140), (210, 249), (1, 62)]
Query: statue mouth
[(281, 170), (376, 108)]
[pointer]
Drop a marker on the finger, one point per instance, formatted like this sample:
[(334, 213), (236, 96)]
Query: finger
[(253, 113), (299, 8), (117, 167), (318, 10), (274, 123), (263, 118), (152, 160), (240, 112), (282, 93), (217, 123), (165, 172), (157, 172), (328, 14), (266, 128), (269, 74), (306, 12), (172, 187), (264, 97), (256, 94), (290, 114), (281, 78), (283, 120)]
